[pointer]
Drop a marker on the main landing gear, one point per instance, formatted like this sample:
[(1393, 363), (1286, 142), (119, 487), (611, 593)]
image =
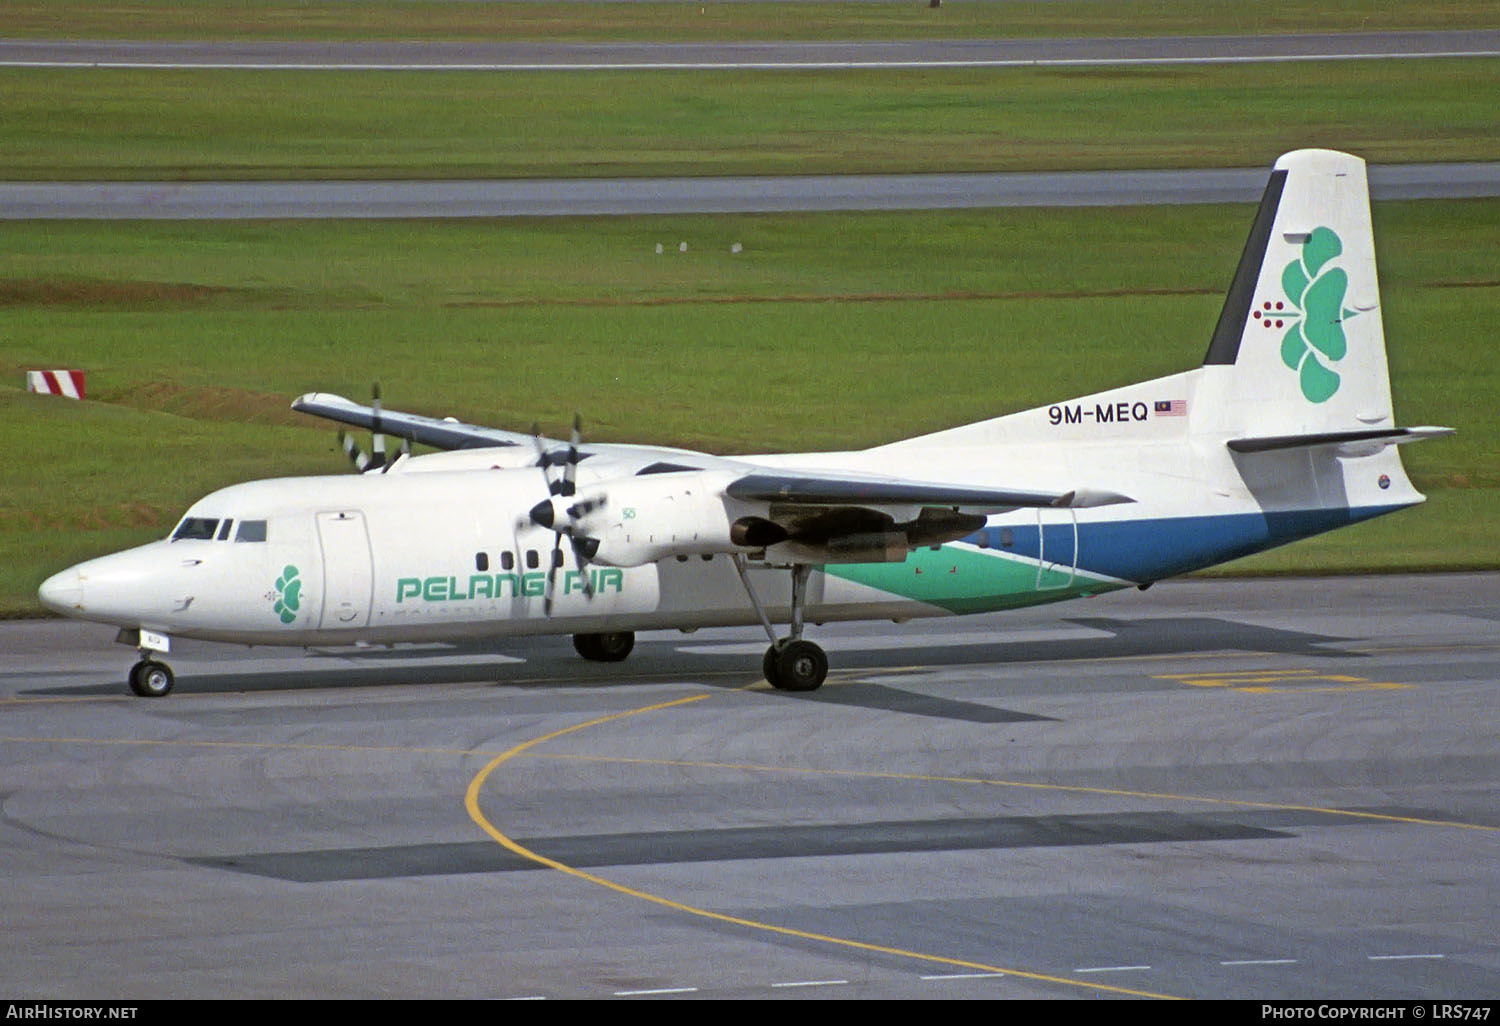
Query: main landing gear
[(151, 679), (604, 648), (791, 663)]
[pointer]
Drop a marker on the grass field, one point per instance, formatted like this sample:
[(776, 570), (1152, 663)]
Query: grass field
[(168, 125), (709, 20), (826, 331)]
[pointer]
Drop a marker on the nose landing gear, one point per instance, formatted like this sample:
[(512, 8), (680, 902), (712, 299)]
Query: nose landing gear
[(151, 679)]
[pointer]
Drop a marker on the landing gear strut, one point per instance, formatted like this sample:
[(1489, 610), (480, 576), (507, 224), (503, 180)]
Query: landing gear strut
[(791, 663), (151, 679)]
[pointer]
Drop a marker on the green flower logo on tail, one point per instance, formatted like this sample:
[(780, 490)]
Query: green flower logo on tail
[(288, 595), (1315, 290)]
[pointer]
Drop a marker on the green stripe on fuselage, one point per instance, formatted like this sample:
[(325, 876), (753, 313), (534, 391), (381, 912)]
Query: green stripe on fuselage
[(964, 580)]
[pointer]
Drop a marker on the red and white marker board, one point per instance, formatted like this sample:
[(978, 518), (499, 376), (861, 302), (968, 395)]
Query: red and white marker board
[(56, 382)]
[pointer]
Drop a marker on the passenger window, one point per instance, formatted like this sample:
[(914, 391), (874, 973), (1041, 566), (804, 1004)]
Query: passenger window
[(251, 531), (507, 560), (532, 561), (201, 528), (481, 561)]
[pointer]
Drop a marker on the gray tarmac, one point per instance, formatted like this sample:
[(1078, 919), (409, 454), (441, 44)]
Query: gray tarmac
[(1269, 789), (750, 194), (534, 56)]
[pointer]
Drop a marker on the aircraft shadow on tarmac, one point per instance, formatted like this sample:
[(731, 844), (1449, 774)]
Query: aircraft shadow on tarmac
[(670, 847), (551, 663)]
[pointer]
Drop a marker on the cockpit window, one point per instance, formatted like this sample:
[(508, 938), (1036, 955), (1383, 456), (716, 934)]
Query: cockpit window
[(251, 531), (196, 527), (224, 529)]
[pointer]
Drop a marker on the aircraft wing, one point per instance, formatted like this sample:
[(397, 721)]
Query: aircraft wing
[(440, 433), (830, 489)]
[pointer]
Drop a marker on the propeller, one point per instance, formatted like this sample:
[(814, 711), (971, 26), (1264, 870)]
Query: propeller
[(560, 517), (375, 459)]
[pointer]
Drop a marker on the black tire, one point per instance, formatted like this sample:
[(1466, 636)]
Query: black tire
[(150, 679), (768, 666), (801, 666), (604, 648)]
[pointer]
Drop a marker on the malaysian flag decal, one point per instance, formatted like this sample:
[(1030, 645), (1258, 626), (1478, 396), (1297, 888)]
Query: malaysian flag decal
[(1171, 407)]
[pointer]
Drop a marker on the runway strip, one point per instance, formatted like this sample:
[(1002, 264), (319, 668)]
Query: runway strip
[(276, 55), (627, 196)]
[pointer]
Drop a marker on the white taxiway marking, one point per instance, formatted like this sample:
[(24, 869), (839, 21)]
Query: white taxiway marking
[(813, 983), (1394, 958), (1261, 961), (657, 990), (965, 976), (1113, 969)]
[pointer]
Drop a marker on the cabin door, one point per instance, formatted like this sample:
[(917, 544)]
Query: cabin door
[(347, 576)]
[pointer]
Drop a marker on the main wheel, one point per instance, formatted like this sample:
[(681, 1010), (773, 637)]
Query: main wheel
[(800, 666), (604, 648), (769, 667), (150, 679)]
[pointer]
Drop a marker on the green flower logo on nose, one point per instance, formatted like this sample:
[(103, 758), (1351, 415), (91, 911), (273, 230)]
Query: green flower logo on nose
[(1315, 292), (288, 595)]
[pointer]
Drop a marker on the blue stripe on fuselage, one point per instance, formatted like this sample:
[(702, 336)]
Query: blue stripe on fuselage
[(1149, 550)]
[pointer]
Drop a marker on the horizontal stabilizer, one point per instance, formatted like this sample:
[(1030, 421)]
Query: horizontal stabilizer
[(825, 489), (1382, 436)]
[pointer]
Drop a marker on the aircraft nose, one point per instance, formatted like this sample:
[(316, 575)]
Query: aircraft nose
[(62, 593)]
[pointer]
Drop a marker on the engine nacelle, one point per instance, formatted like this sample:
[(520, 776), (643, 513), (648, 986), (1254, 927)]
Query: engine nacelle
[(648, 518)]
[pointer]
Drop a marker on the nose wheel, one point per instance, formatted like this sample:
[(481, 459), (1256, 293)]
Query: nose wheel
[(151, 679)]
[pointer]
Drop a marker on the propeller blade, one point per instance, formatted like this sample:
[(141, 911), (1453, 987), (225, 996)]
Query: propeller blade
[(552, 515), (552, 575), (584, 507), (570, 469), (356, 455), (377, 440), (583, 551), (541, 450)]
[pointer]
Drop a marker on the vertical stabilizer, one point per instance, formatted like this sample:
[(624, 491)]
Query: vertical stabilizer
[(1295, 383), (1299, 347)]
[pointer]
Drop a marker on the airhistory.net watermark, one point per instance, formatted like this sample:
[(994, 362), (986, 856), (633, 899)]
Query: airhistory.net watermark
[(58, 1010)]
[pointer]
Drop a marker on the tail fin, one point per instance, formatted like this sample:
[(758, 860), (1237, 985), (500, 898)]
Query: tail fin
[(1297, 360), (1300, 336)]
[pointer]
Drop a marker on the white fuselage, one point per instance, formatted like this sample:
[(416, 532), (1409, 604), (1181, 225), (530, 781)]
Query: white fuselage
[(442, 547)]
